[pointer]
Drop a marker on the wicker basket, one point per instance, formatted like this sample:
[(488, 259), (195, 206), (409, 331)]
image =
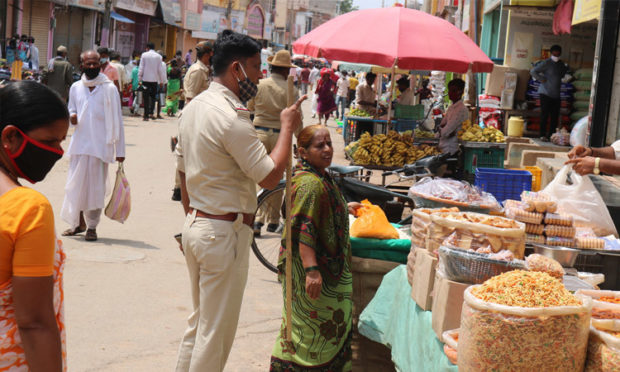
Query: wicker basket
[(470, 267)]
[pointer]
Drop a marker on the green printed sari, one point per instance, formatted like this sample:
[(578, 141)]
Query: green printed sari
[(321, 328)]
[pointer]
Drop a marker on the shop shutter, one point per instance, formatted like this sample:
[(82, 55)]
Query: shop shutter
[(40, 28)]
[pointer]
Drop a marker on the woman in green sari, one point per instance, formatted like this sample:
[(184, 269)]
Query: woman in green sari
[(174, 89), (322, 282)]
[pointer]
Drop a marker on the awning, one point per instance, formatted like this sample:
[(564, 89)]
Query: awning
[(120, 18), (171, 12)]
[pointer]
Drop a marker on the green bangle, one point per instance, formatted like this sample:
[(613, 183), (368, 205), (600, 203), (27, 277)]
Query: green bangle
[(311, 268)]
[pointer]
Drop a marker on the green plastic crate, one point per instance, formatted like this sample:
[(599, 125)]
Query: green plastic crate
[(475, 157), (415, 112)]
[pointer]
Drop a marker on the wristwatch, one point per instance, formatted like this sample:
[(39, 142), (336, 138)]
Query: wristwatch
[(596, 170)]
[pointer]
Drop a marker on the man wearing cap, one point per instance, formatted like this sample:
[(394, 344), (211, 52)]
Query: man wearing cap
[(269, 102), (58, 75), (198, 76)]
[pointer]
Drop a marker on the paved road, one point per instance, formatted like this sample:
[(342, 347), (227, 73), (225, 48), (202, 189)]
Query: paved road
[(127, 295)]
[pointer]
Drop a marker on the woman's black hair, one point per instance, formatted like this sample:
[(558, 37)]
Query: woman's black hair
[(29, 105), (231, 46)]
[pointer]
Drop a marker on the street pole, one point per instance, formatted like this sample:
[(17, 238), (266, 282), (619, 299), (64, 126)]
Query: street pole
[(105, 29)]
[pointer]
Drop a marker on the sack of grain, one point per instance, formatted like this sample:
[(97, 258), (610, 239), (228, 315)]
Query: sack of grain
[(523, 321), (603, 351)]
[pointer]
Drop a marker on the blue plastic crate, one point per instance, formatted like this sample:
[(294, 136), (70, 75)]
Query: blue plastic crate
[(503, 183), (402, 125)]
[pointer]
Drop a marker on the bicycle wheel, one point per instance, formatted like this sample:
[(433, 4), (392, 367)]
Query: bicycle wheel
[(266, 247)]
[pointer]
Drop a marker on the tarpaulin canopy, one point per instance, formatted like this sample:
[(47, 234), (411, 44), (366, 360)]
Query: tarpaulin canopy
[(406, 38)]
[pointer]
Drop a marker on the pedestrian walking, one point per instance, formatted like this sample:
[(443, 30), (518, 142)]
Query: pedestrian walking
[(322, 287), (123, 79), (151, 74), (188, 58), (33, 55), (222, 160), (137, 89), (342, 94), (97, 141), (174, 89), (269, 102), (135, 58), (550, 72), (33, 123), (108, 69), (325, 92), (58, 75), (304, 75), (162, 87), (353, 83), (198, 76), (314, 77)]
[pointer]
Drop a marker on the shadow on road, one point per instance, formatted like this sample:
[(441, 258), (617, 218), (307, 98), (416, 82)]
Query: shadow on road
[(124, 242)]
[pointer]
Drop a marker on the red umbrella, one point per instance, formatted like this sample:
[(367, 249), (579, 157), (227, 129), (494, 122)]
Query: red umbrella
[(407, 38)]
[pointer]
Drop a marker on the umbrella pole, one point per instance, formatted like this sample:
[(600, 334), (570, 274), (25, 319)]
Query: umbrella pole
[(290, 97), (391, 94)]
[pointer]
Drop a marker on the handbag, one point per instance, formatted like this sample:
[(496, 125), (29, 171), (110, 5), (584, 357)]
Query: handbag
[(119, 206)]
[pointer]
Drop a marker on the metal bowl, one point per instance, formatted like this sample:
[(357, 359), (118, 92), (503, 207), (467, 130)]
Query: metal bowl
[(565, 256)]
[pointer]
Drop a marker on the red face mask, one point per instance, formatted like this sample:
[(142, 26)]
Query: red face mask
[(33, 160)]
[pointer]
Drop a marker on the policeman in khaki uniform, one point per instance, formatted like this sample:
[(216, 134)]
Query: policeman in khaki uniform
[(221, 160), (269, 102), (198, 76)]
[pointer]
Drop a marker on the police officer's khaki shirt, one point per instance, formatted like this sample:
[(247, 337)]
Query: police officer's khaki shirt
[(220, 153), (196, 79), (269, 102)]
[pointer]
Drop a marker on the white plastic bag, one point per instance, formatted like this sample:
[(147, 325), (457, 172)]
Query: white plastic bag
[(582, 201), (578, 134), (119, 206)]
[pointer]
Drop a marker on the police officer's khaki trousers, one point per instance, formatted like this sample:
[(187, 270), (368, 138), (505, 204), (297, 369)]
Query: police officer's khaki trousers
[(217, 255), (270, 212)]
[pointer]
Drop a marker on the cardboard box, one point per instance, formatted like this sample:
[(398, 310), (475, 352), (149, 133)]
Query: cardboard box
[(423, 278), (447, 304), (511, 79), (496, 81), (508, 99)]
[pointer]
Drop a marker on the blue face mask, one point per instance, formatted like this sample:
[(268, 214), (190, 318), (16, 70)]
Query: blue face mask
[(103, 60)]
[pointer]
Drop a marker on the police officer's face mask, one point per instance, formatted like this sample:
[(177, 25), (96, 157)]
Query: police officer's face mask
[(247, 89)]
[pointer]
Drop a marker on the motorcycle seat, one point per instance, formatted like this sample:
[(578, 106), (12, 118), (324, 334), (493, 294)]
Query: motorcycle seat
[(345, 169)]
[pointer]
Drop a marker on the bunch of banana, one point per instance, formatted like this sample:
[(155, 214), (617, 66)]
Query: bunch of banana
[(389, 150), (419, 133), (473, 132), (359, 112)]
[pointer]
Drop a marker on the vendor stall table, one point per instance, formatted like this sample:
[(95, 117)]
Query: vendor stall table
[(393, 318)]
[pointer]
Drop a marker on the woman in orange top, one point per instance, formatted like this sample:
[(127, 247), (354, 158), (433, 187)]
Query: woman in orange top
[(33, 122)]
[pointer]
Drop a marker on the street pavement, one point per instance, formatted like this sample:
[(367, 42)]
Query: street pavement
[(127, 295)]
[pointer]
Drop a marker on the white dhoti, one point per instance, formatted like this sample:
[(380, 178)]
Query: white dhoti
[(85, 191)]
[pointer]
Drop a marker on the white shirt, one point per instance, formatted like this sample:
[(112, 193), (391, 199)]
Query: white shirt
[(450, 125), (616, 146), (165, 80), (343, 87), (151, 68), (314, 75), (89, 137), (34, 57), (406, 97)]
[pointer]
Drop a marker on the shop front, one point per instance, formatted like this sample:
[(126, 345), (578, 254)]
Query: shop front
[(165, 33), (74, 27), (130, 37)]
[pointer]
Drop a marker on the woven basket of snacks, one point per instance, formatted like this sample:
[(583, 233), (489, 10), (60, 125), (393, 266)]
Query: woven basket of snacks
[(471, 267)]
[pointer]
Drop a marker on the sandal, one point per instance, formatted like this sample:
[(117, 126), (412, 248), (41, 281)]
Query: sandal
[(91, 235), (73, 232)]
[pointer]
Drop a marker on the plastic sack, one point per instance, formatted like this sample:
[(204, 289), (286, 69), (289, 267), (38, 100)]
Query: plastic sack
[(451, 340), (372, 223), (496, 337), (582, 201), (605, 315), (119, 206), (452, 192), (579, 132), (421, 221), (603, 352)]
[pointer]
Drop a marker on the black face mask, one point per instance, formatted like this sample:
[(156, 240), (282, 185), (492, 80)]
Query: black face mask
[(92, 73), (33, 160)]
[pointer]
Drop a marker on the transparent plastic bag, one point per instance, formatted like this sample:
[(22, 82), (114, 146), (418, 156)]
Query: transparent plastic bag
[(603, 352), (580, 199), (496, 337), (453, 192)]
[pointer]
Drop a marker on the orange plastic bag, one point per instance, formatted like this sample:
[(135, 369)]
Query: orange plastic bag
[(371, 222)]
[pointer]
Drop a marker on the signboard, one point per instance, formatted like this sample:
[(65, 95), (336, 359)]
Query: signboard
[(125, 41), (586, 10), (255, 21), (192, 21), (147, 7), (171, 11), (89, 4), (490, 5)]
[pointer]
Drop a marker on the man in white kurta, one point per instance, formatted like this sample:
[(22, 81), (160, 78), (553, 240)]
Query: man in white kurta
[(98, 140)]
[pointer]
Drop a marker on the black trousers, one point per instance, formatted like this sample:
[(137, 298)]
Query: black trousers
[(149, 97), (549, 108)]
